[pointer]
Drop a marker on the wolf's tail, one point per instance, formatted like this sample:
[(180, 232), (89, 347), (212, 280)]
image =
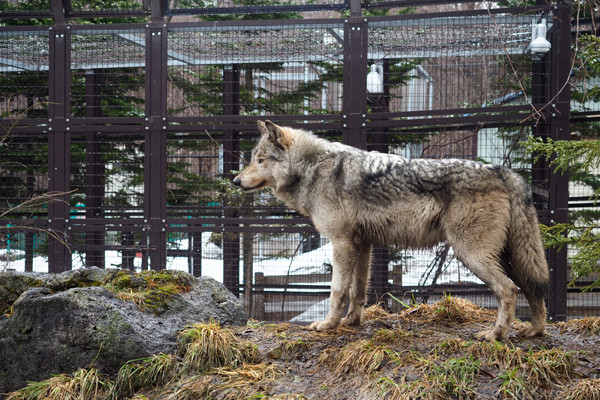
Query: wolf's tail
[(525, 259)]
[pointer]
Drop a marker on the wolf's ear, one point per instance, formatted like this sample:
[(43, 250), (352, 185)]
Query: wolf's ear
[(277, 135)]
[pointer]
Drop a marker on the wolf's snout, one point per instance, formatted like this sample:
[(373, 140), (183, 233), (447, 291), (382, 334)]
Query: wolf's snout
[(237, 181)]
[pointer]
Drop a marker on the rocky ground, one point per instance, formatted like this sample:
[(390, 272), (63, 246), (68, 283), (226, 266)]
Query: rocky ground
[(425, 352)]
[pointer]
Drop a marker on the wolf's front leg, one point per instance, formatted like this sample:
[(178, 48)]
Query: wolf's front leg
[(361, 273), (347, 256), (340, 281)]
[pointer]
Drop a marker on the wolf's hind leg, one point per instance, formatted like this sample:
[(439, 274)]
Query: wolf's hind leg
[(538, 316), (487, 268), (358, 287), (346, 255)]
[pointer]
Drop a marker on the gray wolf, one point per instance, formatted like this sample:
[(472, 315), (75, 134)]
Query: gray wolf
[(361, 199)]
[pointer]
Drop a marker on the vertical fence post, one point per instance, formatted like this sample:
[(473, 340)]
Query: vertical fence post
[(59, 147), (559, 130), (231, 240), (155, 166), (355, 82)]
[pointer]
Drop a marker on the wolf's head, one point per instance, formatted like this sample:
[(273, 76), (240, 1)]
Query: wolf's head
[(270, 162)]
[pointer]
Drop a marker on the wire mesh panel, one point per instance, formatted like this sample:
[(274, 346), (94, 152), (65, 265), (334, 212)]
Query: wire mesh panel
[(107, 78), (244, 7), (23, 156), (466, 58), (107, 81), (23, 9), (108, 183), (100, 5), (282, 70), (24, 193)]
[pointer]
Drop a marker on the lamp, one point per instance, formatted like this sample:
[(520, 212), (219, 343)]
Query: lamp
[(539, 44), (375, 80)]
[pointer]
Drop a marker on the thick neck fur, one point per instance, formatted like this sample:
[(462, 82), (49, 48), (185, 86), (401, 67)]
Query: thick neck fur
[(306, 155)]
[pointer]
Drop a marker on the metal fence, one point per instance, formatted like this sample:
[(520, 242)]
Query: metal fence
[(132, 127)]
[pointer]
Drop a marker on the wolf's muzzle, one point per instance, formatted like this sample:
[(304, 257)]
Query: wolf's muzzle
[(237, 181)]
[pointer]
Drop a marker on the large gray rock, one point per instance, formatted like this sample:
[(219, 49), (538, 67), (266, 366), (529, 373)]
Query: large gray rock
[(70, 321)]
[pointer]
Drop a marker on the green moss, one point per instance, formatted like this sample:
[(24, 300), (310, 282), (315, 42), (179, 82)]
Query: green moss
[(150, 290)]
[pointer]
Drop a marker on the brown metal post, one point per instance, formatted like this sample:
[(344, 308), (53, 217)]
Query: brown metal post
[(155, 166), (59, 148), (355, 8), (231, 240), (355, 82), (559, 130)]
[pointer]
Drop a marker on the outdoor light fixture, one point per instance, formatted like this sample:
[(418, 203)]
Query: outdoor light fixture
[(539, 44), (375, 80)]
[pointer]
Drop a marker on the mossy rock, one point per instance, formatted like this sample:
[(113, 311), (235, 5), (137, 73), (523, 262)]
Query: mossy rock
[(12, 285), (52, 330)]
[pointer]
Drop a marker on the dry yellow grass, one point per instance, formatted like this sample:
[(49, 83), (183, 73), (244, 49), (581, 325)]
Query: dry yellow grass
[(144, 373), (84, 384), (208, 345), (588, 325), (583, 389), (449, 309), (375, 312), (361, 357), (193, 388)]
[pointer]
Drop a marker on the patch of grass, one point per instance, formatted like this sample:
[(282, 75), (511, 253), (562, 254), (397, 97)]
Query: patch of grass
[(383, 336), (374, 312), (496, 354), (450, 346), (246, 376), (229, 383), (583, 389), (420, 389), (587, 326), (84, 384), (457, 310), (288, 396), (450, 310), (550, 366), (293, 347), (193, 388), (521, 372), (361, 357), (144, 373), (456, 376), (206, 346), (512, 385)]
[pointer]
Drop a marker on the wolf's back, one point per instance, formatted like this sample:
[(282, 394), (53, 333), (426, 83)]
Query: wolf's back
[(528, 266)]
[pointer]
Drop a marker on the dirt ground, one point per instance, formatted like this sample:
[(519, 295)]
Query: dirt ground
[(427, 352)]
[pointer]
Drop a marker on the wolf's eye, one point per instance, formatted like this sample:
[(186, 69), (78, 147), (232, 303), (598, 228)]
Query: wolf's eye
[(260, 160)]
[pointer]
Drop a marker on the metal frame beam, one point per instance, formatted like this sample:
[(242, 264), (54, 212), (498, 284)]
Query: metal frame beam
[(59, 148), (155, 167)]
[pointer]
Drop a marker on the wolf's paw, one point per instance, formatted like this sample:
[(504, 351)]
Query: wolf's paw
[(490, 335), (351, 320), (322, 325), (532, 331)]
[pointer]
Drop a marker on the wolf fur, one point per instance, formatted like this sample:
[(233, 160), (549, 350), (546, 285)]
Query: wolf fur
[(359, 199)]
